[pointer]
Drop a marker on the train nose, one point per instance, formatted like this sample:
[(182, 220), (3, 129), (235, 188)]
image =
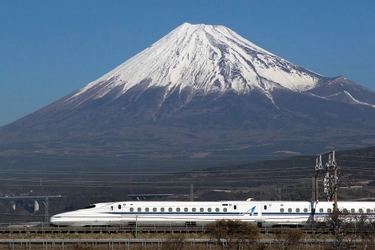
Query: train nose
[(55, 220)]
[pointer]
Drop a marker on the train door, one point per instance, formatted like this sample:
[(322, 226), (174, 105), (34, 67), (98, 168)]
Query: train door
[(257, 211), (262, 211), (235, 211), (118, 208)]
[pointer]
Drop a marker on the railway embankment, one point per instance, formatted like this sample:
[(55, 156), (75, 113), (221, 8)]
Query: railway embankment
[(108, 239)]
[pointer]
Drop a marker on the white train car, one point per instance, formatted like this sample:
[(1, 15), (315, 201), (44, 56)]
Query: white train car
[(197, 213)]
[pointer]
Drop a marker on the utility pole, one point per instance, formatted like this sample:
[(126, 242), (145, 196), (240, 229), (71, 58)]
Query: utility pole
[(330, 181), (46, 210), (332, 165), (319, 170), (191, 192)]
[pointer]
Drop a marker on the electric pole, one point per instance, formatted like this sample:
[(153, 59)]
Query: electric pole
[(330, 180)]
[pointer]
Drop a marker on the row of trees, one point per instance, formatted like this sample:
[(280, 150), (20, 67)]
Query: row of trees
[(341, 230)]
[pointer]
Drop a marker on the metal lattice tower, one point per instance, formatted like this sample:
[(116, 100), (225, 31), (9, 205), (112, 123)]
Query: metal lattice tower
[(330, 179)]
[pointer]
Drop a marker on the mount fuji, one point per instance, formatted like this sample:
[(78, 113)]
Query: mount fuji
[(200, 92)]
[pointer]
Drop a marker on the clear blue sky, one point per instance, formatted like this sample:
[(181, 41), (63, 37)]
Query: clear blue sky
[(49, 49)]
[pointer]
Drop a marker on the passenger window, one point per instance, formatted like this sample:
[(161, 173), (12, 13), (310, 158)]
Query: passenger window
[(297, 210), (201, 209), (111, 208), (217, 209), (329, 210), (321, 210), (235, 207), (154, 209), (147, 209), (360, 210), (368, 210), (131, 209), (170, 209), (178, 209), (119, 206), (282, 210), (139, 209), (225, 209), (289, 210), (186, 209), (209, 209), (194, 209), (305, 210), (265, 207), (162, 209)]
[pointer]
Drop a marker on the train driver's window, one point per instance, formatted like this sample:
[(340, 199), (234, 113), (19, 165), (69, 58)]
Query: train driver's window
[(235, 207), (119, 206), (297, 210), (111, 208), (265, 207)]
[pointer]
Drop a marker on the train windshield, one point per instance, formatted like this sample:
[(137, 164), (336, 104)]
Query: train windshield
[(90, 206)]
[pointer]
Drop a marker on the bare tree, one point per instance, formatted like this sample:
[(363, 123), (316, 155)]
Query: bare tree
[(365, 229), (174, 242), (346, 227), (233, 234), (288, 238)]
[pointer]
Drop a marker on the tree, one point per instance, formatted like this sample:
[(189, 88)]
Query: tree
[(174, 242), (343, 226), (233, 234), (287, 238), (365, 229)]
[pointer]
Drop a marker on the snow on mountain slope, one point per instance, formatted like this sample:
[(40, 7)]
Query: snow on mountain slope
[(202, 58), (200, 91), (343, 90)]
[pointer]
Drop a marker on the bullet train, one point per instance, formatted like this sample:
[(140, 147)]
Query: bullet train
[(198, 213)]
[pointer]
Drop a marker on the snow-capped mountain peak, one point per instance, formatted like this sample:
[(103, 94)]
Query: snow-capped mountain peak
[(203, 58), (205, 92)]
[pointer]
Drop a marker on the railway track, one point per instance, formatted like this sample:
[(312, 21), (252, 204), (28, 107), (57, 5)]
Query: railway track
[(128, 230), (97, 230)]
